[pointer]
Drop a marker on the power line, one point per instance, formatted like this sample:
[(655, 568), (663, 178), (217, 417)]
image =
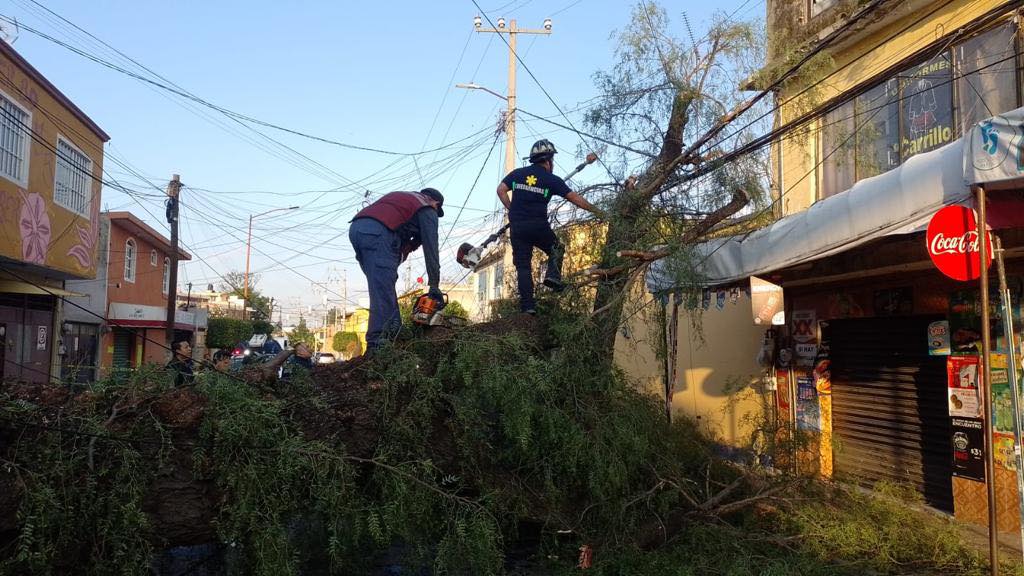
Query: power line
[(212, 106)]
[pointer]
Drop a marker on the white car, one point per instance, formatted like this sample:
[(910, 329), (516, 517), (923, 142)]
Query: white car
[(325, 358)]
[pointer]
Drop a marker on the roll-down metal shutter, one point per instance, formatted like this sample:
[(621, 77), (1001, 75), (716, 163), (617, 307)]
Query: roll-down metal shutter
[(889, 415), (122, 350)]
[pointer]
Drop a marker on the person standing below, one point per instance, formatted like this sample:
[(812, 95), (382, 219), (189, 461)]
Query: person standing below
[(532, 188), (222, 361), (383, 235), (181, 364)]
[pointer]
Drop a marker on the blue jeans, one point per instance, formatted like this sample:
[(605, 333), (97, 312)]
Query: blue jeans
[(525, 236), (378, 252)]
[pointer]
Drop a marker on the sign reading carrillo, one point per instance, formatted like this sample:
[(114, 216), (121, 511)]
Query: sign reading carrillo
[(953, 243)]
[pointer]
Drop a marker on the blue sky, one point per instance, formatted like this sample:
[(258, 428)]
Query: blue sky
[(376, 74)]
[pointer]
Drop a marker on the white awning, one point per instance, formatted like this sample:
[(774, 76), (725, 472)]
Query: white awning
[(900, 201)]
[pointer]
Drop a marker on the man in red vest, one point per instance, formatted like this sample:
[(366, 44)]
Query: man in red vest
[(383, 235)]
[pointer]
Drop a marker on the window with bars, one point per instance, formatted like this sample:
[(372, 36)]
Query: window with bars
[(129, 260), (499, 279), (72, 186), (14, 123), (167, 274), (481, 286)]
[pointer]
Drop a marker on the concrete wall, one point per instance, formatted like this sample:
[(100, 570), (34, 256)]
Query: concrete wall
[(717, 376)]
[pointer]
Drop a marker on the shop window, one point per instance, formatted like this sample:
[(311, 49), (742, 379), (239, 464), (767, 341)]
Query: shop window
[(878, 130), (167, 275), (129, 260), (926, 93), (986, 67), (837, 150)]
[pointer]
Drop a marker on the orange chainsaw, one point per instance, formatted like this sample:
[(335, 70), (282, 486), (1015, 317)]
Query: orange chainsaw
[(429, 312)]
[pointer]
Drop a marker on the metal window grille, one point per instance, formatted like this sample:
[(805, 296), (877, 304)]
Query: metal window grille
[(72, 188), (13, 138), (499, 280), (129, 260)]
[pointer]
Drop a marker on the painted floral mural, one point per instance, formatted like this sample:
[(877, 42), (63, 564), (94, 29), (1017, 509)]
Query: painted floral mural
[(34, 225), (87, 237)]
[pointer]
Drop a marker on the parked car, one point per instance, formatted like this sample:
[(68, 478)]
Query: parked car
[(325, 358)]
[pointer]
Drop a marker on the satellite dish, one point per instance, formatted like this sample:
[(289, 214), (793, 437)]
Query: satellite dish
[(9, 31)]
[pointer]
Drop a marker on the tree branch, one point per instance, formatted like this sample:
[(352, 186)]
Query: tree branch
[(739, 200)]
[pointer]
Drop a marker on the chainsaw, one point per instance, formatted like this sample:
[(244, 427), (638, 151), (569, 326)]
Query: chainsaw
[(429, 312), (469, 256)]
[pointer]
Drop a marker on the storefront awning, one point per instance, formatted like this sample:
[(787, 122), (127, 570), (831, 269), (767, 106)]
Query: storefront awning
[(127, 315), (19, 287), (900, 201)]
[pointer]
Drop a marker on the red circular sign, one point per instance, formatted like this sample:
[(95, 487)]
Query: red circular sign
[(953, 243)]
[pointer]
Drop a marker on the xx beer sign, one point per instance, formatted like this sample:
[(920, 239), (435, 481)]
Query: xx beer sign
[(953, 243)]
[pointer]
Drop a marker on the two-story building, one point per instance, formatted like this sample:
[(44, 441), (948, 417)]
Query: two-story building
[(878, 146), (130, 292), (51, 166)]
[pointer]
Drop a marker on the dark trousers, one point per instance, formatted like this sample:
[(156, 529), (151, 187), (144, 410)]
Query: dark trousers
[(377, 250), (525, 236)]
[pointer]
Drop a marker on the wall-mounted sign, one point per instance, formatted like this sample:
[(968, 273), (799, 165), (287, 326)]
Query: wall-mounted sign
[(953, 243), (967, 438), (766, 302), (963, 386), (808, 411), (938, 338), (804, 327)]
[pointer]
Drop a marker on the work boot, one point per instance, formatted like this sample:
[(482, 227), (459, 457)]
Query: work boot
[(555, 284)]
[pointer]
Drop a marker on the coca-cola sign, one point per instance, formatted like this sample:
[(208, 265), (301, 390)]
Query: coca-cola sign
[(953, 243)]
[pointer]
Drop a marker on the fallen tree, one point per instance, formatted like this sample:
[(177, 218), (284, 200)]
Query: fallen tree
[(447, 443), (454, 445)]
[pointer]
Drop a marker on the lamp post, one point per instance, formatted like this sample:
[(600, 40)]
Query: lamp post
[(248, 250)]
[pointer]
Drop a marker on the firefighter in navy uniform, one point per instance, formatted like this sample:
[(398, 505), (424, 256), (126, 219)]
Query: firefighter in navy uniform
[(532, 188), (383, 234)]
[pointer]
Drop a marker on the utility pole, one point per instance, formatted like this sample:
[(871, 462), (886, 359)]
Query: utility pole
[(173, 192), (513, 30), (510, 115)]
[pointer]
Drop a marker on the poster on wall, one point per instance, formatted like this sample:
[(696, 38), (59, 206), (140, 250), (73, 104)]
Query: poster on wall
[(808, 412), (805, 354), (804, 328), (822, 372), (938, 338), (1002, 402), (964, 322), (782, 382), (1004, 451), (967, 439), (766, 302), (962, 386)]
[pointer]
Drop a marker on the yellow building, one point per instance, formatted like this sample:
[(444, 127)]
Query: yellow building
[(873, 141), (51, 161)]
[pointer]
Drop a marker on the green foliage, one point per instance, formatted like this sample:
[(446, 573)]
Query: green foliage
[(274, 479), (81, 508), (301, 333), (347, 342), (227, 332), (474, 437)]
